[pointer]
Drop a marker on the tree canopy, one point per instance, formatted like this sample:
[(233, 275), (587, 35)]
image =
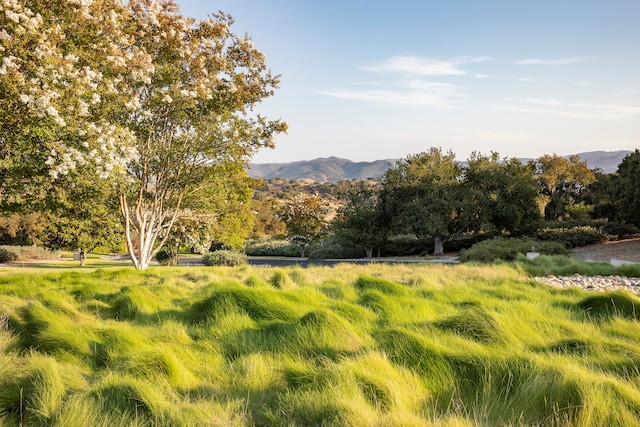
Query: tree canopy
[(627, 189), (134, 93)]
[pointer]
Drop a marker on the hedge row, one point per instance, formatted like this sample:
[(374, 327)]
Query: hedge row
[(508, 249), (19, 253)]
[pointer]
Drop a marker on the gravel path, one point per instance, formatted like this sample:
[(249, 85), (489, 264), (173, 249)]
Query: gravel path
[(627, 250), (593, 283), (623, 251)]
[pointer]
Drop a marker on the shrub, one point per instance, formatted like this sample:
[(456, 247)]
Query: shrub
[(272, 248), (572, 237), (619, 229), (16, 253), (333, 250), (507, 250), (165, 257), (402, 245), (7, 254), (224, 258)]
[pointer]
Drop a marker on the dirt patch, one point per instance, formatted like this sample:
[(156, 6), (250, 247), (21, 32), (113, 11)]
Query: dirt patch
[(626, 250)]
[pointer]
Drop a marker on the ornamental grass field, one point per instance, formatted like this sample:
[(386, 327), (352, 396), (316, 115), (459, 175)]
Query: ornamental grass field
[(376, 345)]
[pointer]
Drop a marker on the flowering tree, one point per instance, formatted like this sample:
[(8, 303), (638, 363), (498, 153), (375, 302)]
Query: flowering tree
[(133, 93)]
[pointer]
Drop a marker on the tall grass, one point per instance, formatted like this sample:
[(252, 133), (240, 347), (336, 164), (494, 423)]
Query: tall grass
[(371, 345)]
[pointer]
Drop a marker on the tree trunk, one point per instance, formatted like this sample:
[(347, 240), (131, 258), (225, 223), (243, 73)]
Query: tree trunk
[(302, 250), (369, 250), (147, 222), (438, 248)]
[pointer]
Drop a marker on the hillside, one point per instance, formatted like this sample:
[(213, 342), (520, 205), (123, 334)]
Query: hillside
[(331, 169), (334, 169)]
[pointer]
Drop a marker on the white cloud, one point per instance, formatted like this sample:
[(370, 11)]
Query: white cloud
[(526, 79), (424, 66), (411, 98), (417, 66), (584, 110), (560, 61)]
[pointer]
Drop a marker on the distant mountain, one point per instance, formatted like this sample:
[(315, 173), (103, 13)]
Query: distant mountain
[(606, 161), (334, 169)]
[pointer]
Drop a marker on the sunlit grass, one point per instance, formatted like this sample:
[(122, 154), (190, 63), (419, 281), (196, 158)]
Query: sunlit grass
[(370, 345)]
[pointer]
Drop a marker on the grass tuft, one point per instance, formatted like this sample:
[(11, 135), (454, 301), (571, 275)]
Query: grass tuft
[(387, 287), (611, 304), (132, 302), (281, 280), (259, 304), (32, 389), (475, 323)]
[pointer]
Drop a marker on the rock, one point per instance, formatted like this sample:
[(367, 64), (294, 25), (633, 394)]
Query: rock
[(619, 262)]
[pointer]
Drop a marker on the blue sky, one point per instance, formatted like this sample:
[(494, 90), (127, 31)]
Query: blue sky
[(369, 80)]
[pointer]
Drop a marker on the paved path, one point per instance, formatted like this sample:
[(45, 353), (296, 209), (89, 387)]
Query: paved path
[(305, 262)]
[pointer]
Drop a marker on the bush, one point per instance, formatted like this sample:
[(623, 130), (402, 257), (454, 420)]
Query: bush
[(619, 229), (404, 245), (574, 236), (16, 253), (333, 250), (507, 250), (8, 254), (276, 247), (224, 258), (165, 257)]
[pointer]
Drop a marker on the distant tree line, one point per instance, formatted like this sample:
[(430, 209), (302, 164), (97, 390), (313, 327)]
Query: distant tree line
[(429, 199), (431, 196)]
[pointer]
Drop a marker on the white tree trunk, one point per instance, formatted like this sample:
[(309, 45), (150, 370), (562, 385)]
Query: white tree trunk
[(147, 222)]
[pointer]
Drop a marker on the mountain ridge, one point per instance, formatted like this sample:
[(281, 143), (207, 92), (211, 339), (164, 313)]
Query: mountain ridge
[(334, 169)]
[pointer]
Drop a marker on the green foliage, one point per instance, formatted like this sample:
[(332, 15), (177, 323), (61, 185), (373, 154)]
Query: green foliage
[(87, 139), (618, 229), (272, 247), (359, 222), (562, 183), (423, 195), (20, 253), (507, 249), (406, 345), (167, 257), (503, 194), (567, 266), (224, 258), (6, 254), (572, 237), (330, 249), (626, 189), (305, 219), (405, 244)]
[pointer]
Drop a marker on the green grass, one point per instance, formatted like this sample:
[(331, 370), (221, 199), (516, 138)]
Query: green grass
[(373, 345)]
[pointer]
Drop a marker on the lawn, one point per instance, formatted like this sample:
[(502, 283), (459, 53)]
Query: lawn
[(375, 345)]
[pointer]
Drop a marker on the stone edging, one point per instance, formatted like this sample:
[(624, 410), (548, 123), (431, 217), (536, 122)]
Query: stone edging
[(593, 283)]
